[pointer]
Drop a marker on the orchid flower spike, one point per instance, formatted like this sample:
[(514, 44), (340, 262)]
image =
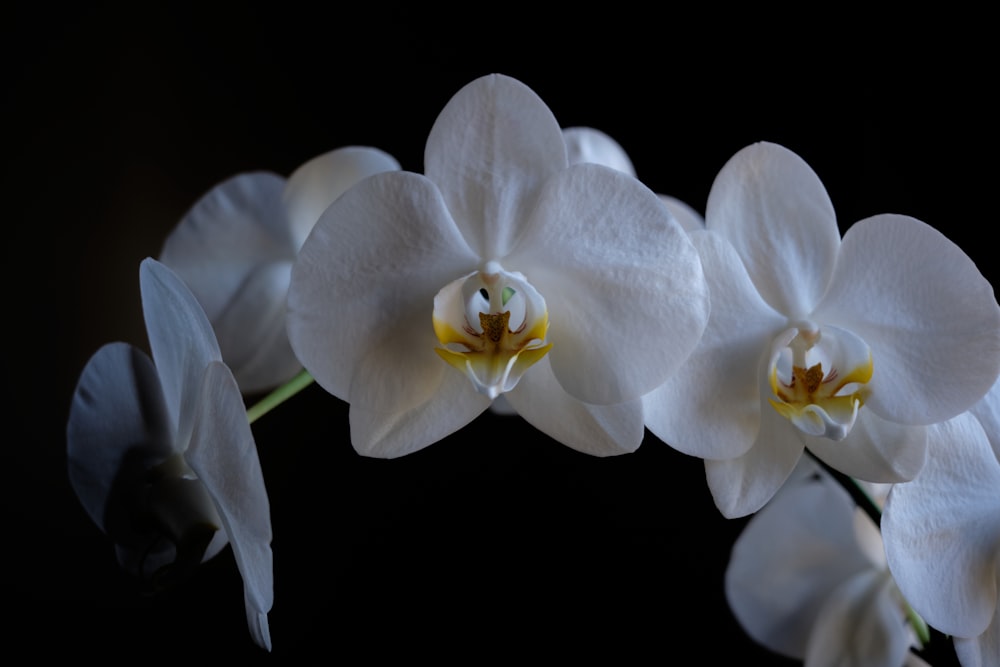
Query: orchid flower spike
[(942, 533), (235, 249), (501, 271), (161, 454), (849, 347)]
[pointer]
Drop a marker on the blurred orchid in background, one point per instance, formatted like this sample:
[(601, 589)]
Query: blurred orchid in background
[(806, 328), (161, 454), (807, 578), (235, 250), (552, 285), (942, 533)]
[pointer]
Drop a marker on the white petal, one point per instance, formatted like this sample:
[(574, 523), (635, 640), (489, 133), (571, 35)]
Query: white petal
[(683, 213), (181, 340), (790, 556), (599, 430), (742, 485), (987, 411), (927, 312), (118, 429), (980, 651), (711, 406), (771, 205), (314, 185), (942, 530), (234, 228), (586, 144), (379, 432), (252, 330), (490, 149), (875, 450), (620, 278), (860, 625), (365, 280), (224, 456)]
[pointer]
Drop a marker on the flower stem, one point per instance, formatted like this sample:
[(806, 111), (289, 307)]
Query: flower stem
[(279, 396)]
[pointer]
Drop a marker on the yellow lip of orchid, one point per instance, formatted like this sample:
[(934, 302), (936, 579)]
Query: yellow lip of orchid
[(818, 378), (492, 326)]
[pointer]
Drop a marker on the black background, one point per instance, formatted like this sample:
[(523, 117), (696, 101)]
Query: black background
[(495, 542)]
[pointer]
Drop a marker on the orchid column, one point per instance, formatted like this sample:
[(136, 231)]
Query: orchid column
[(503, 270)]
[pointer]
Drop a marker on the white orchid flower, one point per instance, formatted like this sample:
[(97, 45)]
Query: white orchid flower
[(942, 533), (807, 578), (503, 270), (235, 249), (848, 346), (161, 454)]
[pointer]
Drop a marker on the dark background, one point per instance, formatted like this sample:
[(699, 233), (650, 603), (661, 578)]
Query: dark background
[(495, 541)]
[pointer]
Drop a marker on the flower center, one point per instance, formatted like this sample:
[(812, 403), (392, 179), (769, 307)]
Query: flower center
[(492, 326), (819, 402)]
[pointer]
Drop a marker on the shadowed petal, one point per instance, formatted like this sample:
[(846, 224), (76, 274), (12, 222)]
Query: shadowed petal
[(599, 430), (314, 185), (223, 455), (875, 450), (181, 339)]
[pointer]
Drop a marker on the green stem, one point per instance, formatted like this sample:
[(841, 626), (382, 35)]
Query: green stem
[(279, 396)]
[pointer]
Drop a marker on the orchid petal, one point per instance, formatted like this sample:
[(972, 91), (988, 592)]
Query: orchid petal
[(875, 450), (773, 208), (929, 316), (683, 213), (252, 330), (987, 411), (742, 485), (181, 339), (625, 282), (711, 406), (378, 432), (368, 274), (223, 455), (789, 557), (860, 625), (586, 144), (980, 651), (238, 225), (490, 149), (598, 430), (118, 429), (315, 184), (941, 530)]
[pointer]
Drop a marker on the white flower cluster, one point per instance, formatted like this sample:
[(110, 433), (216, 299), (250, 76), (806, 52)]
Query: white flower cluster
[(528, 270)]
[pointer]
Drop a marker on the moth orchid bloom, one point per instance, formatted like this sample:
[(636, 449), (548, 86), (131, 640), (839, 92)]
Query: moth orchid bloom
[(807, 579), (942, 533), (587, 144), (849, 346), (235, 247), (161, 454), (501, 271)]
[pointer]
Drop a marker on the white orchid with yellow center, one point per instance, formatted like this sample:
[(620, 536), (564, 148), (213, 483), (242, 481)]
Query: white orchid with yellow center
[(161, 454), (847, 346), (503, 270), (235, 248)]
